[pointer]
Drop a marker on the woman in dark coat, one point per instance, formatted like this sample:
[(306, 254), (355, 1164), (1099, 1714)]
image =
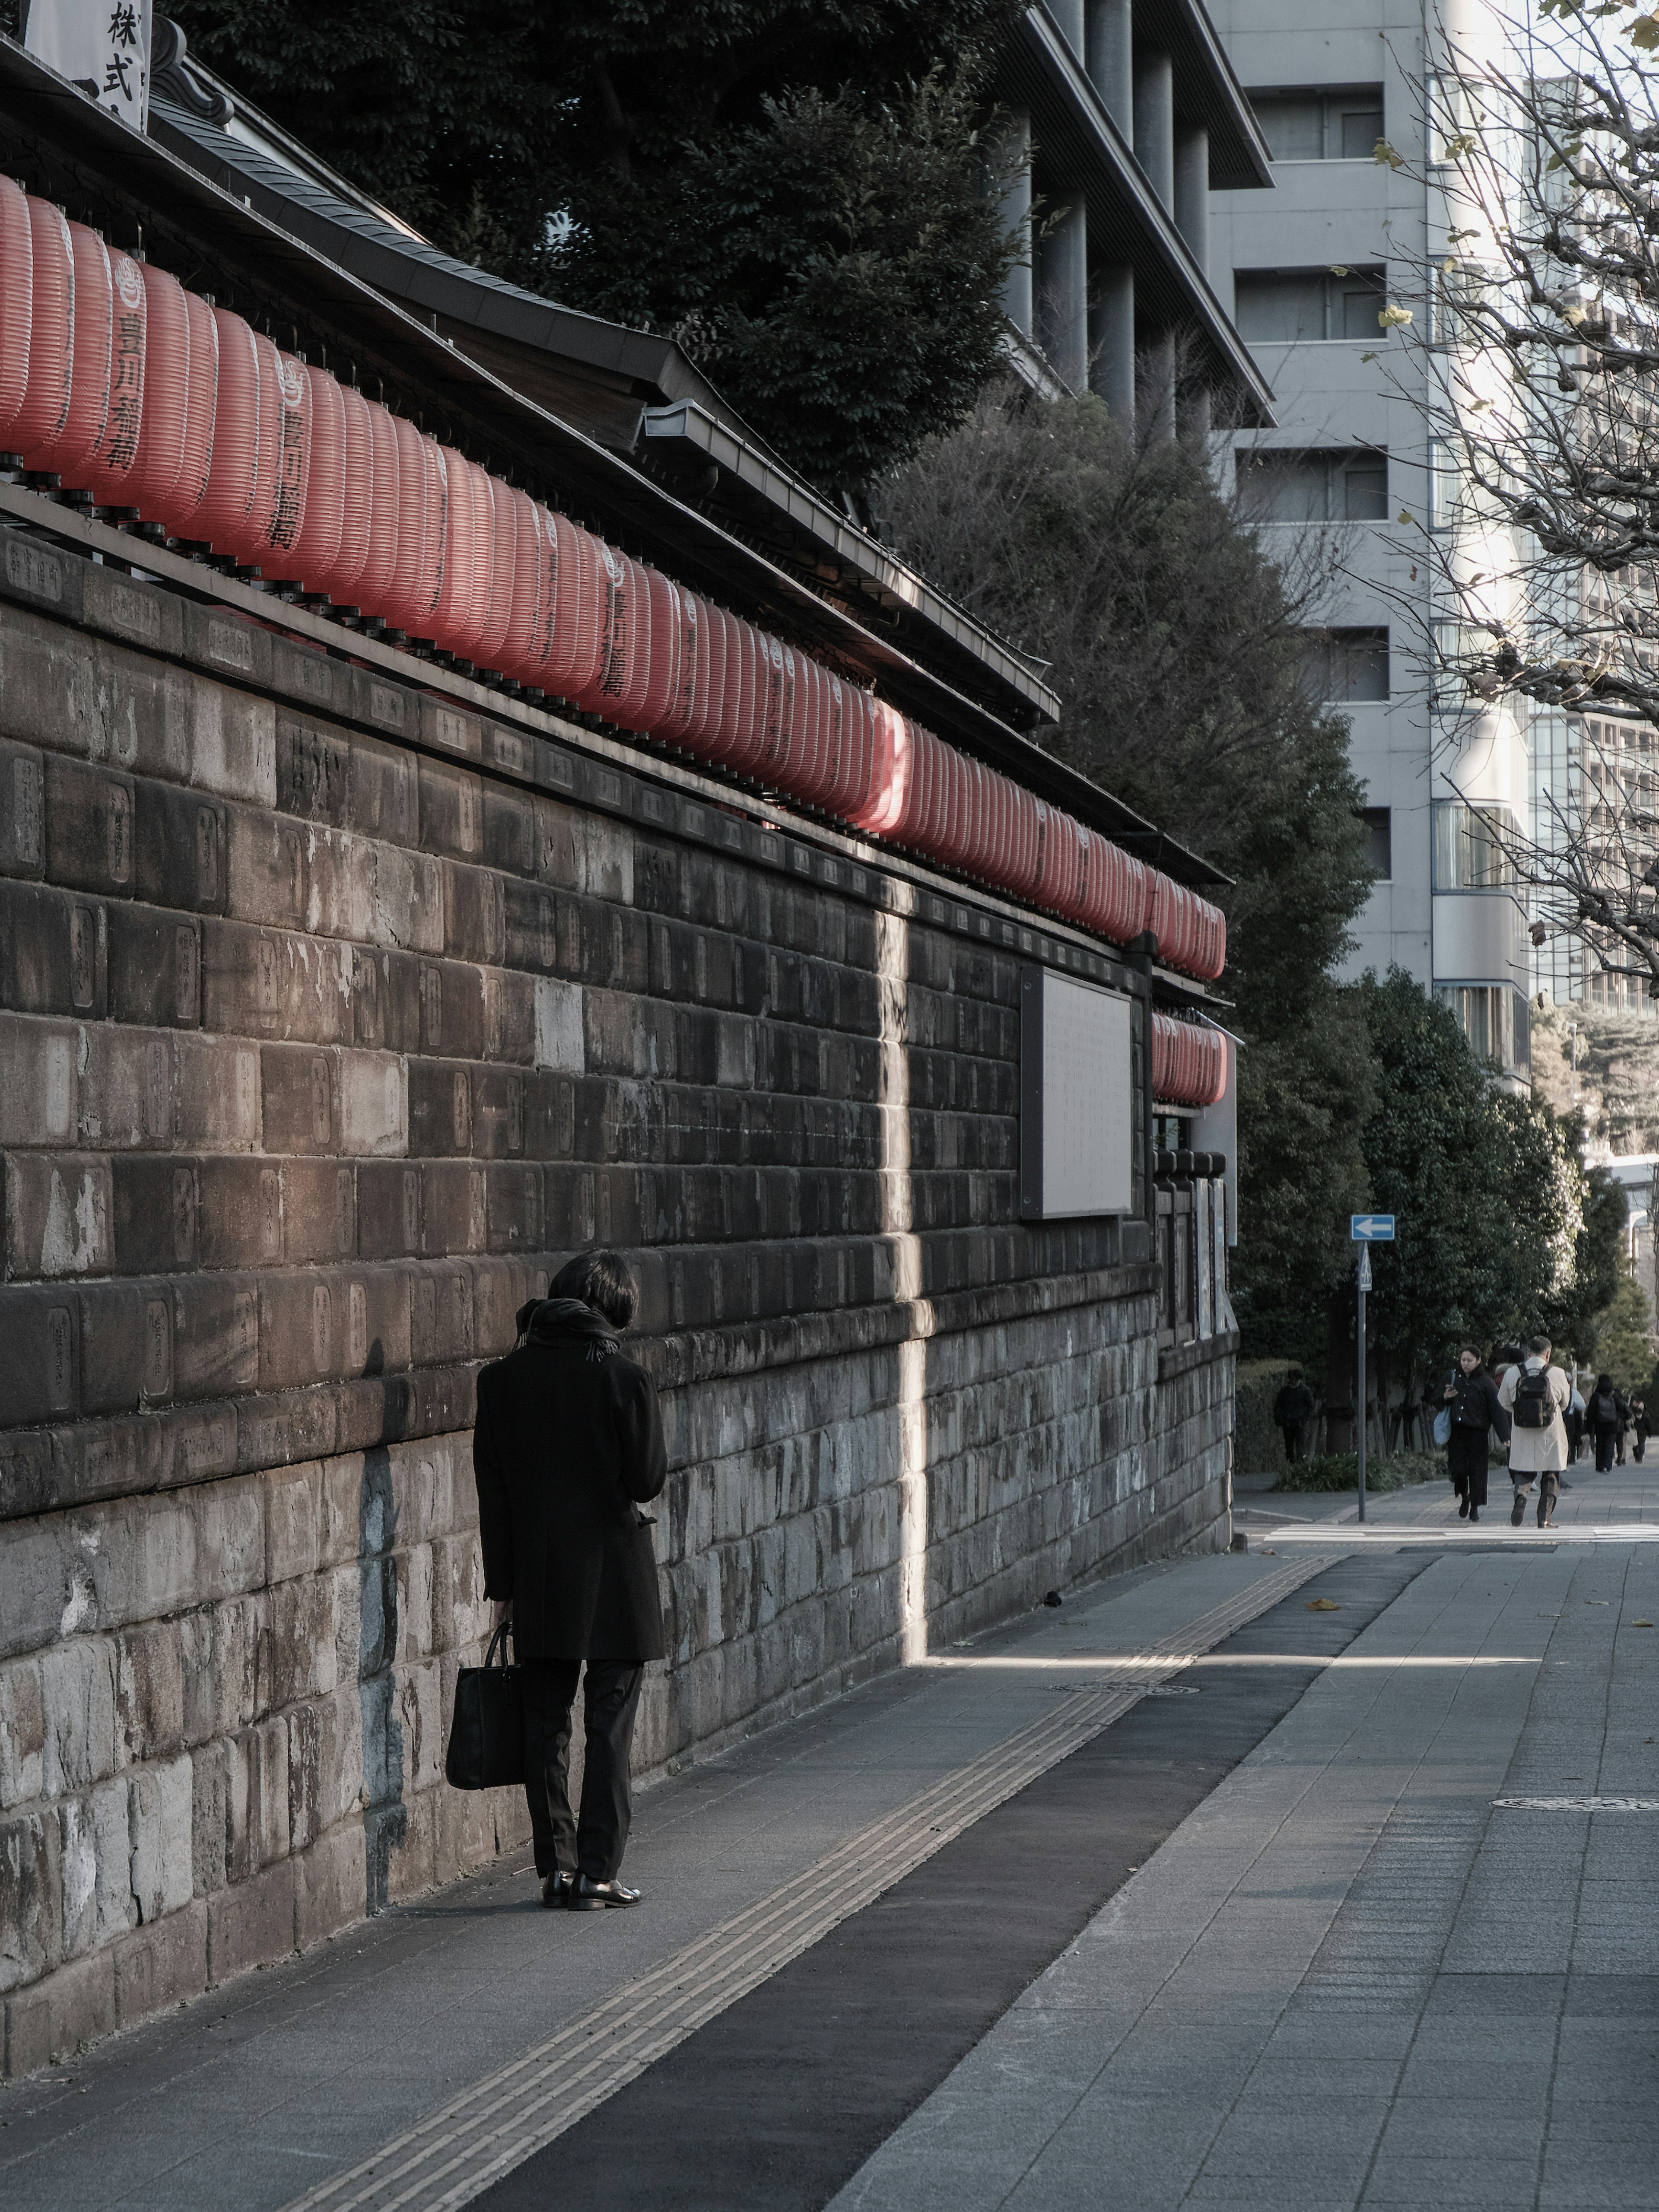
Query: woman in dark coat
[(1606, 1418), (1471, 1397), (567, 1451)]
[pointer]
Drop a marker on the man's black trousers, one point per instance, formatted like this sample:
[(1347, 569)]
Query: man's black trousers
[(1466, 1459), (1607, 1438), (610, 1698)]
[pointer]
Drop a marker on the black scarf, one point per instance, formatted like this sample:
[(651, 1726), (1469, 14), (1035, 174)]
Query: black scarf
[(546, 1321)]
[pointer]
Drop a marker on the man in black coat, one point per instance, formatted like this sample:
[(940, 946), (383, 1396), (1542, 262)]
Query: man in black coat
[(1292, 1409), (566, 1449)]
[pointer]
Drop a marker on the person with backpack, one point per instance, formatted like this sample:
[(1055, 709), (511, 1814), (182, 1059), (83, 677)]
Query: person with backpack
[(1470, 1396), (1292, 1409), (1535, 1395), (1606, 1418)]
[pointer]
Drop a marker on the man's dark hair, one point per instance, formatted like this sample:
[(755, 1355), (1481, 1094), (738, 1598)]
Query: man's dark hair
[(1538, 1345), (599, 1280), (1292, 1374)]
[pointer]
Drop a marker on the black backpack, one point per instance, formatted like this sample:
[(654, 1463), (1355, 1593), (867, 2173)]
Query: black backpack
[(1535, 1404), (1604, 1410)]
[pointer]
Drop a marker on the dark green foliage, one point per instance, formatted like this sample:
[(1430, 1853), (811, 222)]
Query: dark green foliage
[(1176, 649), (797, 191), (1340, 1471), (1486, 1187)]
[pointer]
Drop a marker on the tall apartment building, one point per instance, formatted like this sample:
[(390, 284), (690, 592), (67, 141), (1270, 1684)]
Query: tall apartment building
[(1304, 271), (1130, 114)]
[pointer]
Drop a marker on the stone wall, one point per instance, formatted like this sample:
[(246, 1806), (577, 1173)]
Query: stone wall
[(341, 1001)]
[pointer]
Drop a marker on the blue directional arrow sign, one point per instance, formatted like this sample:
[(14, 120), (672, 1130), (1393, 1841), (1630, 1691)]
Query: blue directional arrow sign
[(1371, 1228)]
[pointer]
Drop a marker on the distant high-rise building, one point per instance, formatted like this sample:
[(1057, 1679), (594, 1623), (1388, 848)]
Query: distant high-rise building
[(1311, 267)]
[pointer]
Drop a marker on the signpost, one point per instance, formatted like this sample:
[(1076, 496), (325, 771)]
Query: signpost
[(1365, 1230)]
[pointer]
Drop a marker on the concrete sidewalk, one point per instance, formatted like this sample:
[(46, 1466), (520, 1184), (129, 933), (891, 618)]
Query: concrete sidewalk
[(1353, 1978), (248, 2096)]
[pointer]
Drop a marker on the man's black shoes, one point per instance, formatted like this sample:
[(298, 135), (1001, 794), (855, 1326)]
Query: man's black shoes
[(1462, 1508), (1518, 1511), (587, 1895), (557, 1888)]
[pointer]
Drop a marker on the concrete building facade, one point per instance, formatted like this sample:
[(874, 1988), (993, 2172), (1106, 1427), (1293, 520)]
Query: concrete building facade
[(1310, 268)]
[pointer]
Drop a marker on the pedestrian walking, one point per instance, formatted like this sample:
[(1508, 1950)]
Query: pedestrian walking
[(1623, 1423), (1638, 1422), (1292, 1408), (1576, 1416), (568, 1451), (1607, 1414), (1470, 1396), (1534, 1395)]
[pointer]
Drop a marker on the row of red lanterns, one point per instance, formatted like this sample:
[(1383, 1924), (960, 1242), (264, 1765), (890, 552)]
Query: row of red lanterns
[(1189, 1064), (123, 385)]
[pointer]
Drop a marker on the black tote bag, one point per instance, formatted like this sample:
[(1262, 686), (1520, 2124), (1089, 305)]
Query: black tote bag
[(486, 1737)]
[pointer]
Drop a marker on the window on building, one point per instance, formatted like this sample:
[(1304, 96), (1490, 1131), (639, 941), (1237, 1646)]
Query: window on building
[(1281, 306), (1494, 1018), (1379, 841), (1469, 846), (1349, 484), (1312, 123), (1348, 666)]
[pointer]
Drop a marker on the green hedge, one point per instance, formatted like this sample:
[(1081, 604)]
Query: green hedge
[(1340, 1471)]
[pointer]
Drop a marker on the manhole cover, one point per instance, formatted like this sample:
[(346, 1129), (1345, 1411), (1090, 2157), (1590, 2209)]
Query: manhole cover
[(1147, 1689), (1578, 1804)]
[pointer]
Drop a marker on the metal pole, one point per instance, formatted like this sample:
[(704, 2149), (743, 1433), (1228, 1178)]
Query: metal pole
[(1365, 1285)]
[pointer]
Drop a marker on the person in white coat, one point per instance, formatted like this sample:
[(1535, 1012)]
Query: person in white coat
[(1535, 1396)]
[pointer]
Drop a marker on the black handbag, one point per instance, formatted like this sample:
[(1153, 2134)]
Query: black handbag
[(486, 1737)]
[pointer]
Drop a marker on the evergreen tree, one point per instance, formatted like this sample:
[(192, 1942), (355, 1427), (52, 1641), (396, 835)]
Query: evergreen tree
[(1177, 648), (801, 191)]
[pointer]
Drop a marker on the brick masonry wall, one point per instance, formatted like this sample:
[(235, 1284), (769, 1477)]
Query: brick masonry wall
[(337, 1007)]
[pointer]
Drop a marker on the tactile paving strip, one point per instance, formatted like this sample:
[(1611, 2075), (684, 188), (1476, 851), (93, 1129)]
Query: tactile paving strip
[(456, 2153)]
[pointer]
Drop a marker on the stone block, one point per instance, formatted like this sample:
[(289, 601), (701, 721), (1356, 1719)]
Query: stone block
[(89, 827), (271, 983), (389, 1210), (58, 1209), (475, 924), (299, 1092), (23, 810), (386, 1000), (408, 911), (57, 2017), (160, 1965), (384, 704), (319, 1210), (22, 1737), (299, 1330), (560, 1042), (229, 739), (179, 848), (451, 1009), (440, 1314), (141, 614), (293, 1499), (238, 1212), (412, 1862), (374, 1105), (161, 1822), (40, 1377), (153, 1213), (440, 1108), (314, 769), (452, 811), (509, 831), (150, 1692), (454, 1213), (266, 869), (126, 1346), (383, 793), (38, 1081), (215, 1335), (125, 1094), (54, 951), (329, 1889), (31, 1907), (155, 968), (280, 1428), (251, 1924), (513, 1209)]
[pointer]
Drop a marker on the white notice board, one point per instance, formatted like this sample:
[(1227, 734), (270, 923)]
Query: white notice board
[(1077, 1099)]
